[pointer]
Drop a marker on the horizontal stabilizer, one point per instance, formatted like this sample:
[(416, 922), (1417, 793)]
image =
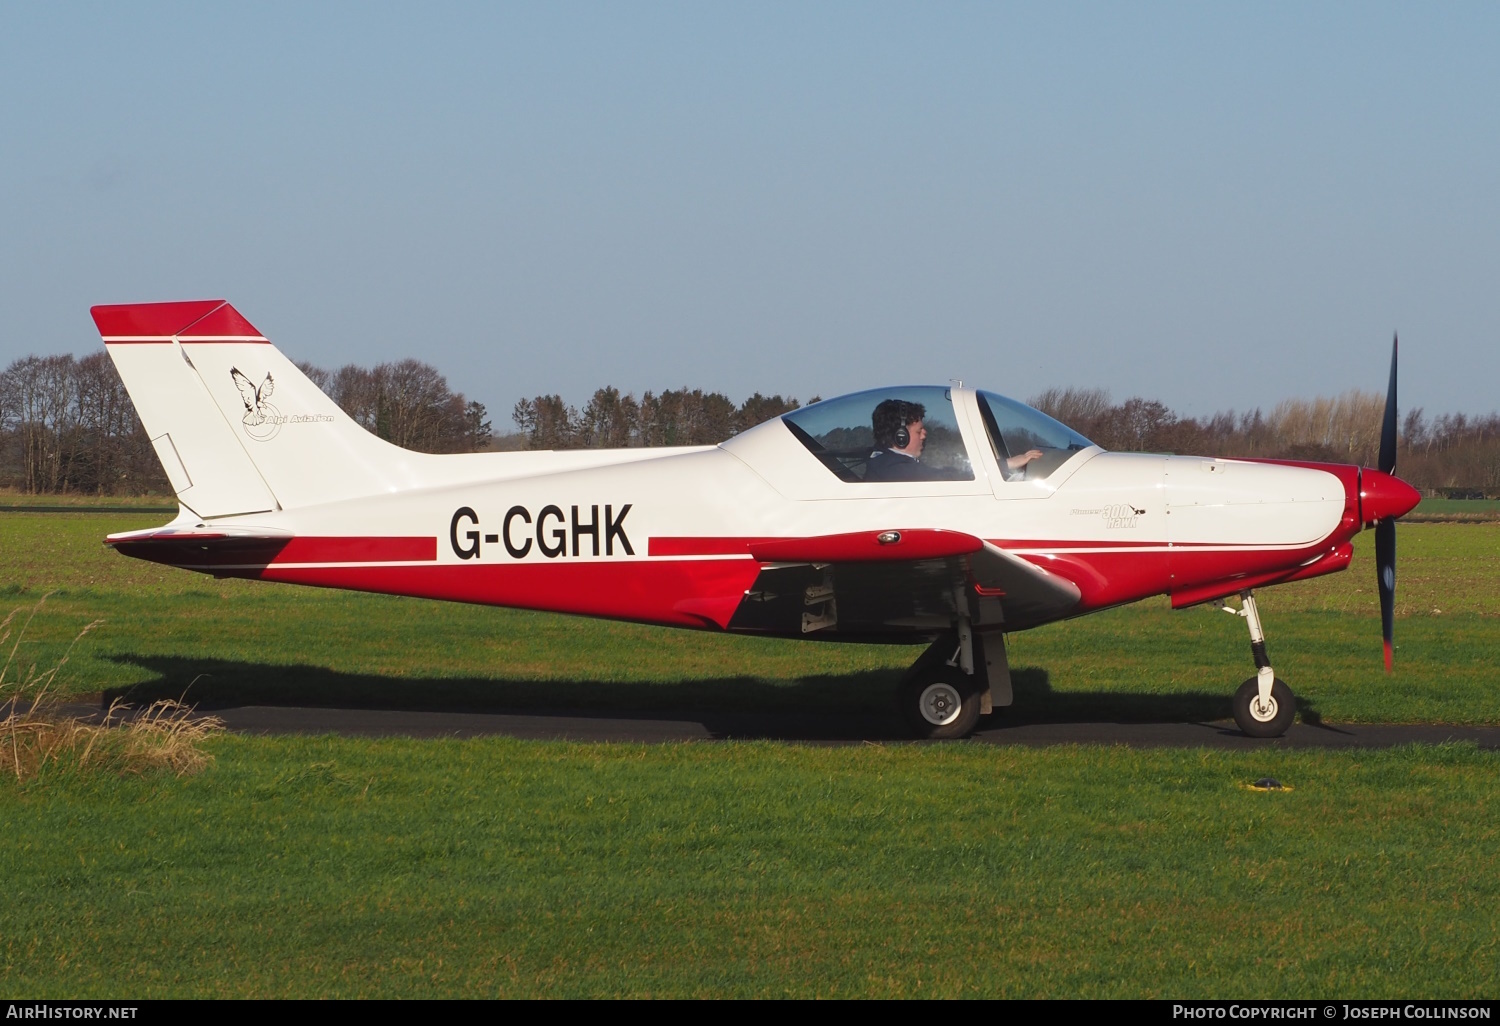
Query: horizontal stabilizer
[(237, 549), (200, 536), (202, 547)]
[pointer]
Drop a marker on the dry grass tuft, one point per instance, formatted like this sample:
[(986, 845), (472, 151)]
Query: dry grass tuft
[(36, 733)]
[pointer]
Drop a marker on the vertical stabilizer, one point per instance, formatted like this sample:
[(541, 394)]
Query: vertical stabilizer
[(238, 428)]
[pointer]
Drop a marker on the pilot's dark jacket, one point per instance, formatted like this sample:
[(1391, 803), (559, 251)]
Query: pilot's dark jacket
[(890, 465)]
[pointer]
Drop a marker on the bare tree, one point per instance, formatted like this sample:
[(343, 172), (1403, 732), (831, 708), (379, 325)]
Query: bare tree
[(1082, 409), (357, 394), (415, 409), (39, 397)]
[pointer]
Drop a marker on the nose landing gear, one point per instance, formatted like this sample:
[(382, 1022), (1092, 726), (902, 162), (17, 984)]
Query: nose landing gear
[(1263, 706)]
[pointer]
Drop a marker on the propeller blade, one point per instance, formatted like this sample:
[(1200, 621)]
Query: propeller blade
[(1387, 464), (1385, 572), (1385, 529)]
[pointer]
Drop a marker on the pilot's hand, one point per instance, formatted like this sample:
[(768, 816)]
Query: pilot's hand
[(1017, 462)]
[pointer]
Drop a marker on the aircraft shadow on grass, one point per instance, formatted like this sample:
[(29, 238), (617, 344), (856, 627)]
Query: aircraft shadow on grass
[(856, 705)]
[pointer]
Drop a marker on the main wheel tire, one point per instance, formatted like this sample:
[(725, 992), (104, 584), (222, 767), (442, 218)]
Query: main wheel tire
[(941, 703), (1269, 720)]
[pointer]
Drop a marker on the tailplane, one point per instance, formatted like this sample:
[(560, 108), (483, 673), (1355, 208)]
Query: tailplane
[(237, 427)]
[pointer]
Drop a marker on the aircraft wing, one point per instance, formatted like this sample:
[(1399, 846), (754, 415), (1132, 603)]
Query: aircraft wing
[(894, 582), (1026, 591)]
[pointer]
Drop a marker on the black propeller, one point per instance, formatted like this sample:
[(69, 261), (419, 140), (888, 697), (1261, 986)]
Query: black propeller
[(1385, 529)]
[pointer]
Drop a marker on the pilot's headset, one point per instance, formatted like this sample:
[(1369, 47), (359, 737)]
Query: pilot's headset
[(903, 436)]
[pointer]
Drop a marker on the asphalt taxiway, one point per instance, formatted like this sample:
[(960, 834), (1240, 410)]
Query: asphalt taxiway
[(814, 728)]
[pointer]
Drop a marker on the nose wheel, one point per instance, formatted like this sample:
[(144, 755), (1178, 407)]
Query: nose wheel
[(1264, 717), (1263, 706)]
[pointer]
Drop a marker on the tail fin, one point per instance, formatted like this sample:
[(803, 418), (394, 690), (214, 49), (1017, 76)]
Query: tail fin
[(238, 428)]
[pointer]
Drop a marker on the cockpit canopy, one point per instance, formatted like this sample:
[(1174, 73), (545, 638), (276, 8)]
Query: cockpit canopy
[(841, 434)]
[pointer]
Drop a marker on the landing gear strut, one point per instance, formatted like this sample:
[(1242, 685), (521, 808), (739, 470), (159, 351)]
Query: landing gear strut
[(1263, 706)]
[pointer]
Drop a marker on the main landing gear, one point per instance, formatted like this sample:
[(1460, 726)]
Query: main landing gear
[(938, 699), (961, 677), (1263, 706)]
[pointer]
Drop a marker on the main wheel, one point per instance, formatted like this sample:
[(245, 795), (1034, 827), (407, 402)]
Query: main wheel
[(1270, 719), (940, 702)]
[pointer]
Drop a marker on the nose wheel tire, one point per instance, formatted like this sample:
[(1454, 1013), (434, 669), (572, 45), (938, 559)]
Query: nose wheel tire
[(941, 703), (1269, 719)]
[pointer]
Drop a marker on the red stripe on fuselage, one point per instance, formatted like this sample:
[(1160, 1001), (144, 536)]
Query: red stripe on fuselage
[(858, 546), (1112, 578), (739, 546), (680, 593), (308, 549)]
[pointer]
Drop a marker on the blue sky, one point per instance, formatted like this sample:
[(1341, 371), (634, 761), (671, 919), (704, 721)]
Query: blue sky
[(1216, 205)]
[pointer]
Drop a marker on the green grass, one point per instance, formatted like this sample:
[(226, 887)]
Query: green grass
[(1488, 509), (169, 631), (1455, 511), (154, 503), (333, 867)]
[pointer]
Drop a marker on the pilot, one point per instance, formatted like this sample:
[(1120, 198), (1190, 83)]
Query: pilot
[(899, 435)]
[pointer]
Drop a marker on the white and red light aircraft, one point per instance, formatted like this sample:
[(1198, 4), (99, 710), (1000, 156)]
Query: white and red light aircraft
[(775, 531)]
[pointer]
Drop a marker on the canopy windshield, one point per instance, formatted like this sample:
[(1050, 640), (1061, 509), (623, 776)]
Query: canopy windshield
[(1015, 429)]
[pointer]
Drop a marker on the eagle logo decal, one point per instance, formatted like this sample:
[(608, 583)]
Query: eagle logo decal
[(262, 421)]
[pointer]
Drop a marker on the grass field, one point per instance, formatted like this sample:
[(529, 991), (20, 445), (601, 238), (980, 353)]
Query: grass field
[(340, 867), (14, 500), (1456, 511), (329, 867), (236, 641)]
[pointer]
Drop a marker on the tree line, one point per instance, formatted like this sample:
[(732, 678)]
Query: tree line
[(614, 421), (67, 425)]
